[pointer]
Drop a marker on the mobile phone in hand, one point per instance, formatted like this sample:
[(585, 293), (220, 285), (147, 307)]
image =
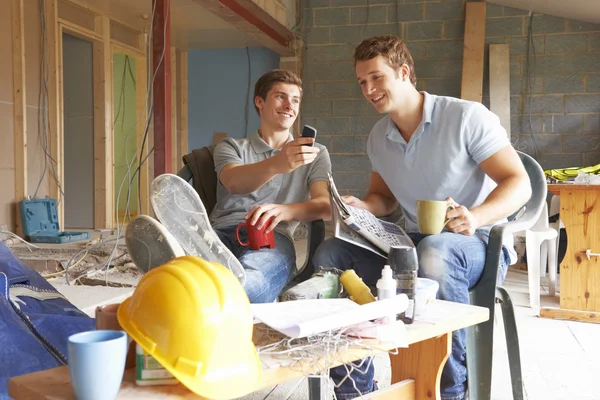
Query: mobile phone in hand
[(309, 132)]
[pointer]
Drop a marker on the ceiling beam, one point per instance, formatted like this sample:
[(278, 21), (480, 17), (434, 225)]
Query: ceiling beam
[(254, 21)]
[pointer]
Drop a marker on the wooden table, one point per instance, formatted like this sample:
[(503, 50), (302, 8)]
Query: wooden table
[(579, 275), (418, 367)]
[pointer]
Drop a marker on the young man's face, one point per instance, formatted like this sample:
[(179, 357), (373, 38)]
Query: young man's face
[(381, 84), (280, 108)]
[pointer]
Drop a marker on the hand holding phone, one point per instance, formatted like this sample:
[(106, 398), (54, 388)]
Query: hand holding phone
[(309, 132)]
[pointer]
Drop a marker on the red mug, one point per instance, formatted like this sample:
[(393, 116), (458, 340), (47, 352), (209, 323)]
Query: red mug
[(257, 238)]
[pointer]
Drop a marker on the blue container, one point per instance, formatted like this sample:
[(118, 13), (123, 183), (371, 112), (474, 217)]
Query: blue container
[(39, 220)]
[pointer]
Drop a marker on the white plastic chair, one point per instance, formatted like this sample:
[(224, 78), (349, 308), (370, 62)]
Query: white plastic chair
[(541, 246)]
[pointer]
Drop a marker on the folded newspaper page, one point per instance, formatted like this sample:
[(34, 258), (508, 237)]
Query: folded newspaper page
[(361, 228)]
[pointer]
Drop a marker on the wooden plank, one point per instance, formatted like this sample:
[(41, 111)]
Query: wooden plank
[(54, 100), (76, 30), (125, 35), (249, 18), (109, 132), (141, 101), (571, 315), (182, 73), (174, 112), (161, 62), (100, 213), (472, 74), (558, 188), (404, 390), (76, 15), (580, 276), (127, 49), (20, 107), (114, 16), (423, 361), (500, 84), (103, 138)]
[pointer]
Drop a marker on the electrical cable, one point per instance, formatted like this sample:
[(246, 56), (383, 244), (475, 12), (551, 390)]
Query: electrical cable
[(44, 132), (29, 245)]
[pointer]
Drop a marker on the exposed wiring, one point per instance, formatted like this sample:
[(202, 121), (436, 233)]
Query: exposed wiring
[(44, 130), (29, 245), (69, 264)]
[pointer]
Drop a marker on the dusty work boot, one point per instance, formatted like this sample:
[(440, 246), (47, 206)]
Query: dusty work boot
[(179, 208), (150, 244), (323, 284)]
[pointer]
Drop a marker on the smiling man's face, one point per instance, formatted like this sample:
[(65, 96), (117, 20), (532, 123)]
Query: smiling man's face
[(280, 108), (381, 84)]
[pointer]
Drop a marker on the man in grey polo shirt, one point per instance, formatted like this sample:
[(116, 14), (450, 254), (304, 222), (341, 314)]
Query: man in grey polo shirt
[(430, 148), (270, 175)]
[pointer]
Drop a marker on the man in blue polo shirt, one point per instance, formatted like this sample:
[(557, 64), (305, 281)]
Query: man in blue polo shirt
[(430, 147)]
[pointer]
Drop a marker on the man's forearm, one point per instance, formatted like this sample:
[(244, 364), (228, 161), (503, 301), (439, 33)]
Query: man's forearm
[(507, 198), (245, 179), (311, 210), (379, 205)]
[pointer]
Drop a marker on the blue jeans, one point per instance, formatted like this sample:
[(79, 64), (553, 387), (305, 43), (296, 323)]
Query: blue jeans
[(455, 261), (267, 270), (35, 321)]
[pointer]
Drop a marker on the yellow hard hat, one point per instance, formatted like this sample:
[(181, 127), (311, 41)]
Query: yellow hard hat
[(194, 317)]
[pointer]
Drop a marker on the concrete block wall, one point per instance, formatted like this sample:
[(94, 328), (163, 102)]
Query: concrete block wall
[(555, 91)]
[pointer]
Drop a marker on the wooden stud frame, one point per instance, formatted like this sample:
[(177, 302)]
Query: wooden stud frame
[(104, 202), (54, 38), (19, 99)]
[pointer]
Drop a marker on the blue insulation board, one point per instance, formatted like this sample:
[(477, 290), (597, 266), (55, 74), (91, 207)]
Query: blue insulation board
[(39, 219)]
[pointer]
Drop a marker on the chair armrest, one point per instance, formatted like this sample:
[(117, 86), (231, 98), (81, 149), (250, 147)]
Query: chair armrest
[(494, 250)]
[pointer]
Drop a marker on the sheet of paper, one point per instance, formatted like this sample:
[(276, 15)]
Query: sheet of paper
[(302, 318), (384, 331)]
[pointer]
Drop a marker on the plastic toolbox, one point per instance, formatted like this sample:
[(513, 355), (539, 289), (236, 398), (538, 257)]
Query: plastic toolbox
[(39, 219)]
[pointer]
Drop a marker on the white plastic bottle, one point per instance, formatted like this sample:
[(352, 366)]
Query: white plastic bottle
[(386, 288)]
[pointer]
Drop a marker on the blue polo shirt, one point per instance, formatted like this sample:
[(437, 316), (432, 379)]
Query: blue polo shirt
[(442, 157)]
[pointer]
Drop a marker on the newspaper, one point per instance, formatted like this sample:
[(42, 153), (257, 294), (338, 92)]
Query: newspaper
[(361, 228)]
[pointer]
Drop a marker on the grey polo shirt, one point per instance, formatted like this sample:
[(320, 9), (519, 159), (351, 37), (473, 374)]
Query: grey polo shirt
[(282, 189)]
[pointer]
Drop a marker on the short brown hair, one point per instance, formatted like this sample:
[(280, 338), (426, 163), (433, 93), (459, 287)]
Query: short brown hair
[(270, 78), (390, 47)]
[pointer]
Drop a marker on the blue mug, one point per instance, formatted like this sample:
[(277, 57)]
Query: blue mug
[(97, 363)]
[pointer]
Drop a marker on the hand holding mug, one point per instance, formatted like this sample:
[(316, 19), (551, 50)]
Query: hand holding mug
[(461, 219), (257, 237), (433, 216)]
